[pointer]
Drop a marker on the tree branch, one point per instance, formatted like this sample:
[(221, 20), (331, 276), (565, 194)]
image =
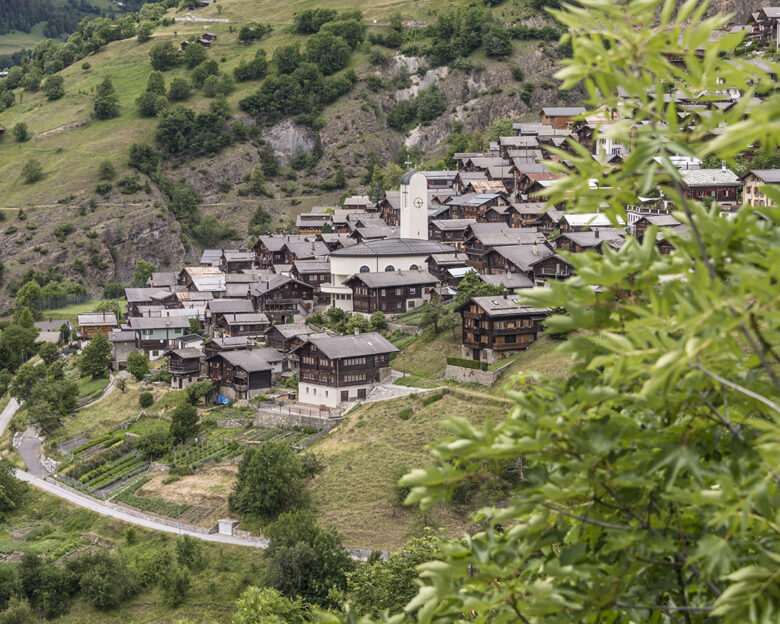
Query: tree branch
[(735, 386), (720, 418), (664, 608), (605, 525)]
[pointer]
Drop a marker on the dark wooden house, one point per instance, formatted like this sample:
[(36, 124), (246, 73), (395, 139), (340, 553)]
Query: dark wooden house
[(282, 297), (495, 327), (184, 366), (337, 369), (240, 374), (227, 343), (391, 292)]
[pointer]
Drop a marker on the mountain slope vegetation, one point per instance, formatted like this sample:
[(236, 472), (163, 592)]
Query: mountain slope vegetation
[(312, 145)]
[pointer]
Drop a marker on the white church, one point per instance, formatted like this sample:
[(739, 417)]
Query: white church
[(408, 252)]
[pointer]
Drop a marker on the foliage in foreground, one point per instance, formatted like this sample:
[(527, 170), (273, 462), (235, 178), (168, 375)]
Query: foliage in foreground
[(650, 489)]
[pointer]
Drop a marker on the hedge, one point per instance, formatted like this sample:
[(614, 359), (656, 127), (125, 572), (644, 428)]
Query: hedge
[(463, 363)]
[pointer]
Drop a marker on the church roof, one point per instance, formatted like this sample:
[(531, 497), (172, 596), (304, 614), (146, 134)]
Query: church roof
[(394, 247)]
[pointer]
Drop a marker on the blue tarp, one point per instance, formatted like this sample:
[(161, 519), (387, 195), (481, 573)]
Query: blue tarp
[(222, 400)]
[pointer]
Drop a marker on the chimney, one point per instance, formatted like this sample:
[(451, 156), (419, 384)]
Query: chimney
[(723, 165), (505, 293), (535, 250), (597, 233)]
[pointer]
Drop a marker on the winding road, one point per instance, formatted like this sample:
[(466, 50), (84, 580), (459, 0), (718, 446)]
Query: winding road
[(123, 513)]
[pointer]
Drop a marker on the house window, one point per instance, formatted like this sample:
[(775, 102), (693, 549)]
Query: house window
[(389, 268), (364, 269), (414, 267), (412, 291)]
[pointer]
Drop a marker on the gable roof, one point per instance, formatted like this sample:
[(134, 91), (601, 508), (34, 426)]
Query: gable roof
[(165, 322), (186, 353), (393, 247), (523, 256), (709, 177), (591, 238), (452, 225), (253, 318), (497, 305), (246, 360), (98, 319), (230, 306), (508, 280), (767, 176), (392, 279), (351, 345), (291, 330), (563, 111)]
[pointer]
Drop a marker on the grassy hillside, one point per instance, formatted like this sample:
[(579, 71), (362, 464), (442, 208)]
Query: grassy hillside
[(371, 449)]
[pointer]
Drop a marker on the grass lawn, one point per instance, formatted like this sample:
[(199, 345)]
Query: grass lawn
[(427, 356), (542, 357), (116, 408), (17, 40), (364, 456), (91, 387), (58, 528), (71, 313)]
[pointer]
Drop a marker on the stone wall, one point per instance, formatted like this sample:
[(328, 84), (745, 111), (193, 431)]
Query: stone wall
[(277, 418), (473, 375)]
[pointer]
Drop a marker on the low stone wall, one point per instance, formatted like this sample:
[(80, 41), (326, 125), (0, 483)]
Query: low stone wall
[(234, 423), (473, 375), (275, 418)]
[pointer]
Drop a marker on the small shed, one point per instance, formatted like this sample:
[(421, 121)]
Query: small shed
[(226, 526)]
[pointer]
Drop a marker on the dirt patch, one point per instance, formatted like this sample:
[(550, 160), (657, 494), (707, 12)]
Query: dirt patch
[(207, 492), (62, 128)]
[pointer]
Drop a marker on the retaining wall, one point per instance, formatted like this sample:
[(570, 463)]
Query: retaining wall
[(273, 418), (473, 375)]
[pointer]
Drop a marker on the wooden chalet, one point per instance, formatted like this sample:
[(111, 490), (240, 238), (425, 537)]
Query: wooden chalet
[(95, 323), (282, 297), (184, 366), (140, 297), (217, 308), (269, 248), (237, 261), (752, 195), (560, 117), (449, 231), (213, 346), (486, 236), (338, 369), (239, 374), (311, 272), (253, 324), (391, 292), (497, 326), (720, 185), (577, 242), (439, 264)]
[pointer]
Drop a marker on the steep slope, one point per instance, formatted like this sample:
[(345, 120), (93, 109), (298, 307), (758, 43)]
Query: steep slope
[(70, 144)]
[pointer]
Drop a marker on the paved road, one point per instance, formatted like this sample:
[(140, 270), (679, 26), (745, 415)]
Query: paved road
[(130, 516), (142, 520), (30, 451), (8, 413)]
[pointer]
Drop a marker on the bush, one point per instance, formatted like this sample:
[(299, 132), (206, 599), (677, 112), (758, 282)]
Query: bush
[(252, 70), (53, 87), (20, 132), (270, 479), (163, 56), (32, 171), (106, 170), (138, 366), (194, 55), (106, 104), (145, 399), (179, 89), (329, 52), (405, 414), (155, 444)]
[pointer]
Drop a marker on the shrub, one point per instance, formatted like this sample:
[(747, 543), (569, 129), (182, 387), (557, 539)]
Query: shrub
[(20, 132), (405, 414), (163, 56), (145, 399), (179, 88), (32, 171)]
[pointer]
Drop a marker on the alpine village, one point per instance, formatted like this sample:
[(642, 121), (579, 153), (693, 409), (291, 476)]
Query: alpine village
[(460, 311)]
